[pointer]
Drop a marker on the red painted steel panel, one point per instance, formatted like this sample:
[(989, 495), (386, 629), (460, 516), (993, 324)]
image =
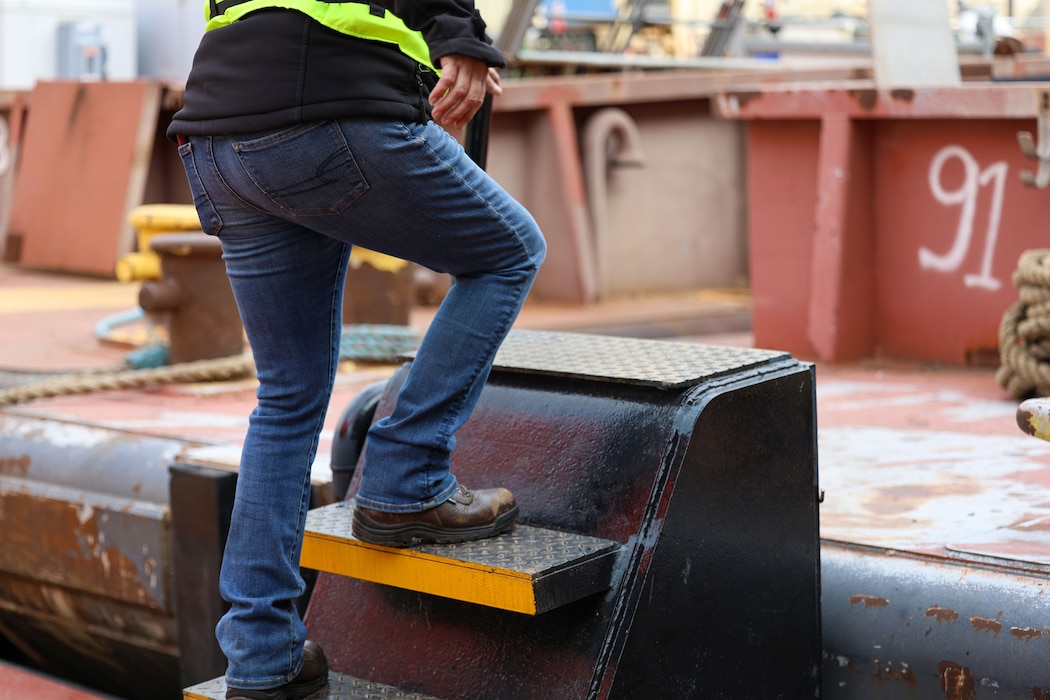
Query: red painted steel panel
[(842, 284), (85, 157), (952, 218), (929, 247), (782, 190)]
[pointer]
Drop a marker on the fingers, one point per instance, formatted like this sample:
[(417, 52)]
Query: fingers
[(460, 90), (492, 84)]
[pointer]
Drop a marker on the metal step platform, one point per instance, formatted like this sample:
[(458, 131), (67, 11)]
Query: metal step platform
[(528, 570), (667, 543), (700, 461), (340, 687)]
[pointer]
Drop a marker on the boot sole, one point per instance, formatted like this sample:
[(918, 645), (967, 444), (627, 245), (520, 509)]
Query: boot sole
[(301, 691), (412, 533)]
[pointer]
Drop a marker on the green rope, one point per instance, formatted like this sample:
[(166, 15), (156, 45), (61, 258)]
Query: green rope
[(376, 343)]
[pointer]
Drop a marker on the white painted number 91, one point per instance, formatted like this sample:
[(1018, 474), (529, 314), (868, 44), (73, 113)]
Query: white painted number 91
[(974, 178)]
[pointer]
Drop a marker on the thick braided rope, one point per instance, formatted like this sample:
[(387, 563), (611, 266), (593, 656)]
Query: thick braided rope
[(221, 369), (375, 343), (1024, 333)]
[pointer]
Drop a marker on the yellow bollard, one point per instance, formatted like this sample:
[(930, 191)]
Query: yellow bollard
[(150, 220)]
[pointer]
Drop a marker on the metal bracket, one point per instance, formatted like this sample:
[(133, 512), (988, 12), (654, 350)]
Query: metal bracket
[(1038, 150)]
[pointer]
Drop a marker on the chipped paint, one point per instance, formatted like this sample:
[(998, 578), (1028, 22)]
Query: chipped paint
[(885, 671), (85, 542), (15, 466), (54, 433), (957, 681), (985, 624), (85, 457), (942, 614), (929, 597), (1026, 633), (85, 513), (869, 601)]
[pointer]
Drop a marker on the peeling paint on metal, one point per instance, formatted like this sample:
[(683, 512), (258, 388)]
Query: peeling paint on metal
[(87, 457), (1025, 633), (912, 628), (942, 614), (870, 601), (84, 541), (885, 671), (986, 625), (956, 681), (85, 513), (55, 433), (15, 466)]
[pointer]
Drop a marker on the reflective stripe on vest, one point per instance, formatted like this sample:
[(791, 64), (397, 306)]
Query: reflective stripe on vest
[(355, 18)]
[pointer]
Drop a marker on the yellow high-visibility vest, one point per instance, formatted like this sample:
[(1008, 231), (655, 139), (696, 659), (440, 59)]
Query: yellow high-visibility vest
[(355, 18)]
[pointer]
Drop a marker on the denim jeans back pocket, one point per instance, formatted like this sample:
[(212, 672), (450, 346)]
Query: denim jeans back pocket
[(209, 218), (306, 170)]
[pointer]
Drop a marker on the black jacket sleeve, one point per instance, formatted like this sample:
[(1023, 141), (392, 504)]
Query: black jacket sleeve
[(449, 27)]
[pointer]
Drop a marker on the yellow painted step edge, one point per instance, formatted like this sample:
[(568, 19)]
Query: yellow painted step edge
[(419, 571)]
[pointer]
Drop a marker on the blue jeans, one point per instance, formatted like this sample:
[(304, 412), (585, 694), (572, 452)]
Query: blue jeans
[(287, 206)]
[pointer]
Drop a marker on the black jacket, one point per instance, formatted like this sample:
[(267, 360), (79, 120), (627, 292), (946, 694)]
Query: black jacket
[(275, 68)]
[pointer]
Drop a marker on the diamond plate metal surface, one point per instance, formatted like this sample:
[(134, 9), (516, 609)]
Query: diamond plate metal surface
[(524, 549), (658, 363), (340, 687)]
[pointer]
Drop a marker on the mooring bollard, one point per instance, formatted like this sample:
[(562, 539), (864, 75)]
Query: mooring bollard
[(195, 296)]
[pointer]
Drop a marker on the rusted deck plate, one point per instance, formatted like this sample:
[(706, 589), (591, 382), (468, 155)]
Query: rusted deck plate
[(340, 687), (931, 463)]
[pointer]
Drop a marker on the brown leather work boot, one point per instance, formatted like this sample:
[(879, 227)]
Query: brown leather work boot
[(467, 515), (312, 677)]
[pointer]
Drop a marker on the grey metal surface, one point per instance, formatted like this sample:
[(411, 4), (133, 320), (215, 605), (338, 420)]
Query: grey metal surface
[(656, 363), (78, 456), (903, 626), (340, 687)]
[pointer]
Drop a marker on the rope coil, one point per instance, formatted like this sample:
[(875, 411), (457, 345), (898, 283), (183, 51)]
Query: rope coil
[(1024, 333)]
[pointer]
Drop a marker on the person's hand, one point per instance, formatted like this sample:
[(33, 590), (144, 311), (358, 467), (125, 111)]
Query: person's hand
[(461, 89), (492, 84)]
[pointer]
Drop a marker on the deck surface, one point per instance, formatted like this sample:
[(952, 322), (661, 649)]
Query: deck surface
[(917, 463)]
